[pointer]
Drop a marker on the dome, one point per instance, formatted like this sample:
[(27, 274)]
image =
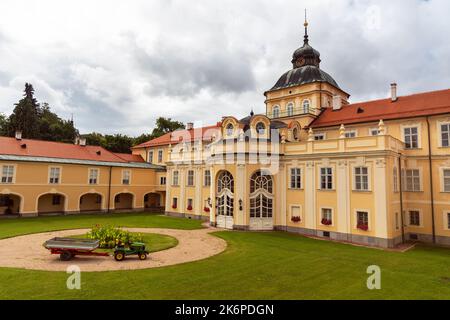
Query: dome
[(304, 75)]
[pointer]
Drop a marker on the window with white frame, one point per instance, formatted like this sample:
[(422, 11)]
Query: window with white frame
[(326, 178), (296, 178), (327, 216), (290, 110), (190, 204), (319, 137), (412, 180), (54, 175), (150, 157), (207, 177), (160, 156), (175, 178), (374, 131), (361, 178), (93, 176), (446, 179), (414, 218), (190, 178), (362, 218), (411, 135), (395, 177), (445, 135), (276, 112), (350, 134), (7, 174), (306, 106), (174, 203), (126, 176), (162, 181)]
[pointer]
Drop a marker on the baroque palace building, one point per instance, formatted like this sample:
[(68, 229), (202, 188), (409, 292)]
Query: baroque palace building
[(375, 173)]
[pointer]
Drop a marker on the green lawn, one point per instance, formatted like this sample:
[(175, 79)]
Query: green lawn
[(254, 266)]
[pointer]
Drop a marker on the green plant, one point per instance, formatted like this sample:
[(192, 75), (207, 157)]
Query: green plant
[(110, 236)]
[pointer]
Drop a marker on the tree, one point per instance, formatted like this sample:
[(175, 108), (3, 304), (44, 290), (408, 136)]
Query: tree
[(3, 125), (118, 143), (53, 128), (25, 116), (142, 138), (165, 125)]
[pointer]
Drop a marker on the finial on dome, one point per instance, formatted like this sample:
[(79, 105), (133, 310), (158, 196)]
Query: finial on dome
[(252, 113), (306, 29)]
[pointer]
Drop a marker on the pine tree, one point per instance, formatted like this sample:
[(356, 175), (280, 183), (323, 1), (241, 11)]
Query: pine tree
[(25, 116)]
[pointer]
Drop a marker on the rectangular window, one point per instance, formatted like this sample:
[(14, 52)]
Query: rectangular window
[(126, 174), (174, 203), (296, 178), (362, 218), (395, 177), (190, 178), (412, 180), (93, 176), (361, 179), (207, 181), (190, 203), (175, 178), (448, 220), (319, 137), (414, 218), (327, 217), (374, 131), (150, 157), (446, 177), (56, 200), (162, 181), (411, 137), (54, 175), (445, 135), (160, 156), (7, 174), (397, 224), (326, 178), (350, 134)]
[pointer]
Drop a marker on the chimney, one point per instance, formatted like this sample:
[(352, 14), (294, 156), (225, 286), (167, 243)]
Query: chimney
[(394, 92), (190, 125), (18, 135), (337, 102), (82, 142), (77, 140)]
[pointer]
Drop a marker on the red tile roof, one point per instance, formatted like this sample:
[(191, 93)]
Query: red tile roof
[(175, 137), (130, 157), (421, 104), (39, 148)]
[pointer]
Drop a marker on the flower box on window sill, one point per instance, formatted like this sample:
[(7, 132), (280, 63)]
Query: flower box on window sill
[(189, 208), (174, 206), (363, 227), (206, 209), (326, 222), (296, 219)]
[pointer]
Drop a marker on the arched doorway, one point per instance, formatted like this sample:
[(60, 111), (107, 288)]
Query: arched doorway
[(225, 200), (9, 204), (91, 202), (123, 201), (51, 203), (261, 201), (153, 202)]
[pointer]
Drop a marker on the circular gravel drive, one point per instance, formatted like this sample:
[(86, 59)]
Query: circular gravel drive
[(27, 252)]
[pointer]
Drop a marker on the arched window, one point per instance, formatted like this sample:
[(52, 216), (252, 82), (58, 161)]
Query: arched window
[(276, 112), (225, 194), (230, 129), (261, 198), (260, 128), (290, 110), (306, 106), (295, 134)]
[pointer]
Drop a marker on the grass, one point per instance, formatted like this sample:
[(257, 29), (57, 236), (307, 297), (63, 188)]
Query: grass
[(254, 266), (153, 242)]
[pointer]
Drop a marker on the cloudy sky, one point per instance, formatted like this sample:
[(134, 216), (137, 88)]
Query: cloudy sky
[(118, 65)]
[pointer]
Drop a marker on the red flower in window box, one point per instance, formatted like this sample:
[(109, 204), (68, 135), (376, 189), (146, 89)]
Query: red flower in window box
[(363, 227), (327, 222), (189, 208), (206, 209), (174, 206), (296, 219)]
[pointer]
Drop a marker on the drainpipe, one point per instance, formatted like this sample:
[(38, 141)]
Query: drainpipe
[(401, 196), (430, 164), (109, 189)]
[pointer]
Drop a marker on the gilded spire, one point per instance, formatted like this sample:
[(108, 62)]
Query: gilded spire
[(306, 29)]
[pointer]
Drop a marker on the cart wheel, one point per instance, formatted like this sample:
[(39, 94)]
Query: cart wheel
[(119, 256), (142, 256), (65, 256)]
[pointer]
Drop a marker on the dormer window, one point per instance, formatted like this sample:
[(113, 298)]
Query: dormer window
[(260, 128), (230, 130)]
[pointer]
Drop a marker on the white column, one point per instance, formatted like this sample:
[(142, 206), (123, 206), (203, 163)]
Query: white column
[(343, 196), (182, 182), (239, 194), (168, 188), (381, 219), (198, 191), (212, 213), (310, 196), (281, 197)]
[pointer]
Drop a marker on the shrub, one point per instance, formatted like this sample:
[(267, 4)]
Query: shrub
[(110, 236)]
